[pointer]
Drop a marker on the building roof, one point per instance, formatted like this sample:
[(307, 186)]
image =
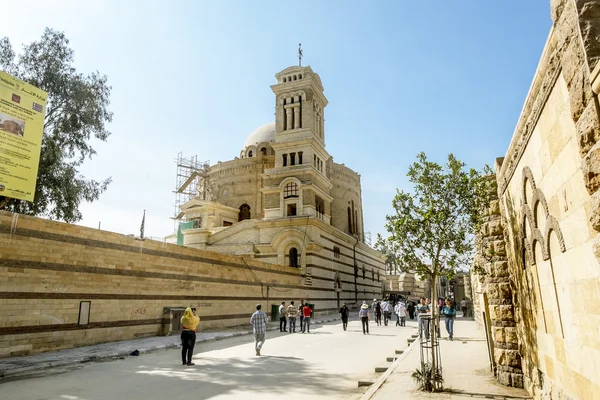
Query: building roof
[(265, 133)]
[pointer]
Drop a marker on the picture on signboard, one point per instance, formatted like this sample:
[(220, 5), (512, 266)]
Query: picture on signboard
[(12, 125)]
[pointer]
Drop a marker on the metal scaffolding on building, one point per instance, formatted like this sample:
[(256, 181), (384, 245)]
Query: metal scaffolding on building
[(191, 181)]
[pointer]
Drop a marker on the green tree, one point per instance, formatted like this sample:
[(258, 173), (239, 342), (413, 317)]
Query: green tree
[(432, 230), (76, 112)]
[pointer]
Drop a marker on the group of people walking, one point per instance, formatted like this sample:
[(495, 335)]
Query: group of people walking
[(289, 314)]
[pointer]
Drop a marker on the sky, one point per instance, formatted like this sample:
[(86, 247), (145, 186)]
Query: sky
[(401, 77)]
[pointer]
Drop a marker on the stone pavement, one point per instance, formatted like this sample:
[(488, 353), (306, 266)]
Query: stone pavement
[(466, 370), (14, 367)]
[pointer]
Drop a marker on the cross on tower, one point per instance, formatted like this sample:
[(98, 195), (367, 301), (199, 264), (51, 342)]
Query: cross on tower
[(300, 54)]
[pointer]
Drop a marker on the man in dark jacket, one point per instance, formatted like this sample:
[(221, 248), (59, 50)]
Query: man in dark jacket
[(344, 312)]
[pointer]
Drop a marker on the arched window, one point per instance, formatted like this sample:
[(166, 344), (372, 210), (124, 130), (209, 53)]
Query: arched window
[(293, 254), (250, 153), (300, 76), (284, 80), (263, 151), (350, 221), (290, 190), (244, 212)]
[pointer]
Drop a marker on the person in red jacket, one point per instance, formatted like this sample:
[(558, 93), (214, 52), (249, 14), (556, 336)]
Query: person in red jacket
[(306, 312)]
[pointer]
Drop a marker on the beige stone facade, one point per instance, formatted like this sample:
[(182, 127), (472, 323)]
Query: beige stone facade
[(540, 297), (285, 201)]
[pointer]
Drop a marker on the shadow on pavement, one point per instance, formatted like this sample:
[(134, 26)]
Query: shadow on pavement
[(216, 376)]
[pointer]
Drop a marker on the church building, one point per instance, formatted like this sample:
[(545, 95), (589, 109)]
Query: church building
[(285, 201)]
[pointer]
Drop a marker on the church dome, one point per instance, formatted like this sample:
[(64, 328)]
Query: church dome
[(262, 134)]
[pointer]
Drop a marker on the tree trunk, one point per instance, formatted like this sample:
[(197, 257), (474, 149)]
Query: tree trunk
[(434, 360)]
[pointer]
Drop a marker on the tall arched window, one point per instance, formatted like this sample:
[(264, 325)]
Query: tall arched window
[(350, 221), (293, 254), (244, 212), (250, 153), (263, 151)]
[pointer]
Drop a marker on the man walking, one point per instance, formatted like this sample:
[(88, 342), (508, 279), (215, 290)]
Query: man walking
[(400, 311), (292, 311), (282, 317), (386, 307), (344, 311), (363, 313), (300, 307), (463, 307), (306, 312), (259, 327)]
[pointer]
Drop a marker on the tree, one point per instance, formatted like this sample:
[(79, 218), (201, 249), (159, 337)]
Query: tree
[(431, 231), (76, 111)]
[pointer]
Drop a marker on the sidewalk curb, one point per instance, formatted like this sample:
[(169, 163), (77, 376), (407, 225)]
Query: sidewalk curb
[(26, 370), (381, 380)]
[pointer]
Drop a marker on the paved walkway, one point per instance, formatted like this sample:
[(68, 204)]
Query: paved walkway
[(466, 369), (13, 367)]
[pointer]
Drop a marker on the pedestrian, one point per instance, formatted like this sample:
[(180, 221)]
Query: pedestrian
[(259, 327), (306, 310), (282, 317), (423, 309), (378, 313), (344, 312), (292, 312), (400, 311), (189, 323), (363, 313), (300, 307), (463, 307), (411, 310), (386, 307), (449, 312), (440, 304)]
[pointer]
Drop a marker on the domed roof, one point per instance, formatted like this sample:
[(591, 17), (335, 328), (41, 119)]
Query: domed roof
[(265, 133)]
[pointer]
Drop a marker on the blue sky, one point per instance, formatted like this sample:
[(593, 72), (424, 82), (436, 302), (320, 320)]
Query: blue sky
[(194, 76)]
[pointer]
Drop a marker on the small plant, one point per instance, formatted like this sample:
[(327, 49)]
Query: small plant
[(427, 379)]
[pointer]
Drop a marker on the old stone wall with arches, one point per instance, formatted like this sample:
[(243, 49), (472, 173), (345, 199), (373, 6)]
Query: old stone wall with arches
[(540, 296)]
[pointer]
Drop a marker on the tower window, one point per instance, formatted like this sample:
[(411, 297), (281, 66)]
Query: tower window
[(294, 77), (284, 159), (300, 157), (291, 210), (244, 212), (350, 221), (263, 151), (284, 80), (292, 158), (320, 206), (290, 190), (293, 255), (300, 76), (250, 153)]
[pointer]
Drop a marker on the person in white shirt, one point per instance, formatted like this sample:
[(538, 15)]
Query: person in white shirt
[(282, 317), (400, 311), (386, 307)]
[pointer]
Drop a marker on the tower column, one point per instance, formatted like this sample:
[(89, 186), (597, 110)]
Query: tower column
[(288, 114), (297, 117)]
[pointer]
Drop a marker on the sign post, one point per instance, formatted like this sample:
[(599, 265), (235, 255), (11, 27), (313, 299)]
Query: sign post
[(22, 110)]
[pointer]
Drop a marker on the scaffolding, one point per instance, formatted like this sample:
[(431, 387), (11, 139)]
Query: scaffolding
[(192, 180)]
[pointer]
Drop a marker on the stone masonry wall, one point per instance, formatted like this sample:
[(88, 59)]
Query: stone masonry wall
[(48, 268), (497, 288)]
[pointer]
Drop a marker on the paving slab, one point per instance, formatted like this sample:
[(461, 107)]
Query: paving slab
[(466, 371)]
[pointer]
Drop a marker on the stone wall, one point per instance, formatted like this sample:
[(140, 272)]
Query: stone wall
[(550, 215), (48, 268)]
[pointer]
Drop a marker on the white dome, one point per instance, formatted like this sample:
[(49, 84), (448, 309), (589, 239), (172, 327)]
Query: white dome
[(265, 133)]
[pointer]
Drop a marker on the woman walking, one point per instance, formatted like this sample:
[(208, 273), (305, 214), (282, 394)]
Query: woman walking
[(449, 312), (189, 323)]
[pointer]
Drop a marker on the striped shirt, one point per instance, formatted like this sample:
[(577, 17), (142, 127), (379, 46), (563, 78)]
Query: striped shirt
[(259, 322)]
